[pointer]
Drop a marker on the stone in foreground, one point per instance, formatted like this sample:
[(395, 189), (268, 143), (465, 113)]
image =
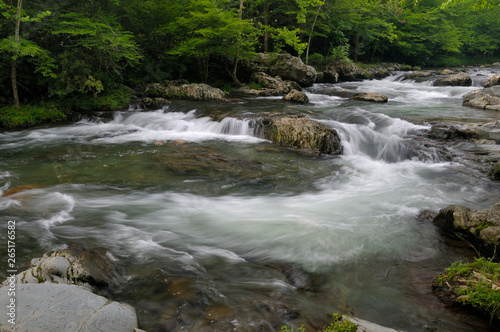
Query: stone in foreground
[(65, 308)]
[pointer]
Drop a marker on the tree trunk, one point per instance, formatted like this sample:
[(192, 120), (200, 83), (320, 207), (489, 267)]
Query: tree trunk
[(310, 35), (241, 9), (16, 53), (266, 33), (356, 45), (233, 74)]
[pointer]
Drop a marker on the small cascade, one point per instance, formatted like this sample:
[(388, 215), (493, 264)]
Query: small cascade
[(383, 138)]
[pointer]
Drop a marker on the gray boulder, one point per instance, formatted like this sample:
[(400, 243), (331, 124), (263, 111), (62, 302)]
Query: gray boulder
[(487, 98), (461, 79), (492, 81), (288, 68), (296, 97), (373, 97), (298, 131), (64, 308), (480, 227), (275, 86), (415, 74), (193, 91)]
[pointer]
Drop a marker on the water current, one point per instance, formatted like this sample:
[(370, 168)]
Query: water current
[(212, 225)]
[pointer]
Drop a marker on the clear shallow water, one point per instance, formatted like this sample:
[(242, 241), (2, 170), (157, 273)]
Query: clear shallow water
[(201, 215)]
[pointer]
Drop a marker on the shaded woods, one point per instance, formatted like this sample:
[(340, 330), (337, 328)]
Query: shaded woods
[(94, 54)]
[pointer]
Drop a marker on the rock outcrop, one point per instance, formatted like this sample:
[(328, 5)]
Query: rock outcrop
[(178, 90), (296, 96), (480, 227), (298, 131), (289, 68), (461, 79), (63, 283), (286, 66), (487, 98), (274, 86), (492, 81), (373, 97), (59, 307)]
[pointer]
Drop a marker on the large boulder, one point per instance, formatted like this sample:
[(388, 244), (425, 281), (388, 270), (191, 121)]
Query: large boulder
[(461, 79), (298, 131), (193, 91), (373, 97), (287, 67), (492, 81), (419, 73), (480, 227), (275, 86), (487, 98), (296, 96), (65, 308)]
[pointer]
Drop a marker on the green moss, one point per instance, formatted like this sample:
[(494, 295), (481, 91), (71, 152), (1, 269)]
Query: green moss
[(29, 115), (475, 284), (341, 323), (484, 224)]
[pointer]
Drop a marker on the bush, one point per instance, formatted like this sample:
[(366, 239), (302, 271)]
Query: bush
[(29, 115)]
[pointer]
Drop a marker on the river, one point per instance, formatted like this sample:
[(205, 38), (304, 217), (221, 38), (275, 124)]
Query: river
[(213, 228)]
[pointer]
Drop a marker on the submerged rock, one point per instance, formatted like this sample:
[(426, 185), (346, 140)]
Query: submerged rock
[(461, 79), (298, 131), (296, 96), (480, 227), (374, 97)]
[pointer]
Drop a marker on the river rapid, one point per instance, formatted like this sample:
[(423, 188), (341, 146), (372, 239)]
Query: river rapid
[(215, 229)]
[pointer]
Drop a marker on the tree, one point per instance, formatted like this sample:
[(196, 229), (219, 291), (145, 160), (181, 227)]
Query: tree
[(19, 47)]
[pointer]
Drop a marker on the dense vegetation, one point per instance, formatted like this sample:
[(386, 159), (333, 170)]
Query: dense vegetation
[(87, 54)]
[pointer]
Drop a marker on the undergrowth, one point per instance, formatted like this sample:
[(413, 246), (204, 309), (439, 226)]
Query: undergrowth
[(29, 115), (340, 323)]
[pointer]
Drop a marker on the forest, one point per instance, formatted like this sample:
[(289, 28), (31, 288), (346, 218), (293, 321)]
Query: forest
[(94, 54)]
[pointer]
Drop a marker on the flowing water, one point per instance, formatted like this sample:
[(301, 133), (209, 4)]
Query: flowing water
[(215, 229)]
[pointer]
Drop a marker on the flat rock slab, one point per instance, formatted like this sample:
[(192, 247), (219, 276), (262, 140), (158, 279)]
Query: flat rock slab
[(56, 307), (373, 97)]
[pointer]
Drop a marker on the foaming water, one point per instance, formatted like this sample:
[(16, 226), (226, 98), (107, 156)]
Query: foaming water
[(138, 126)]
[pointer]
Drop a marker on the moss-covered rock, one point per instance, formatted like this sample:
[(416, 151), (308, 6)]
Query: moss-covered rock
[(298, 131), (475, 285), (480, 227)]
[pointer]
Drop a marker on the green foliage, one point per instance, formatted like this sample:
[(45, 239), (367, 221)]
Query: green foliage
[(479, 284), (285, 328), (341, 323), (339, 52), (29, 115), (255, 86)]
